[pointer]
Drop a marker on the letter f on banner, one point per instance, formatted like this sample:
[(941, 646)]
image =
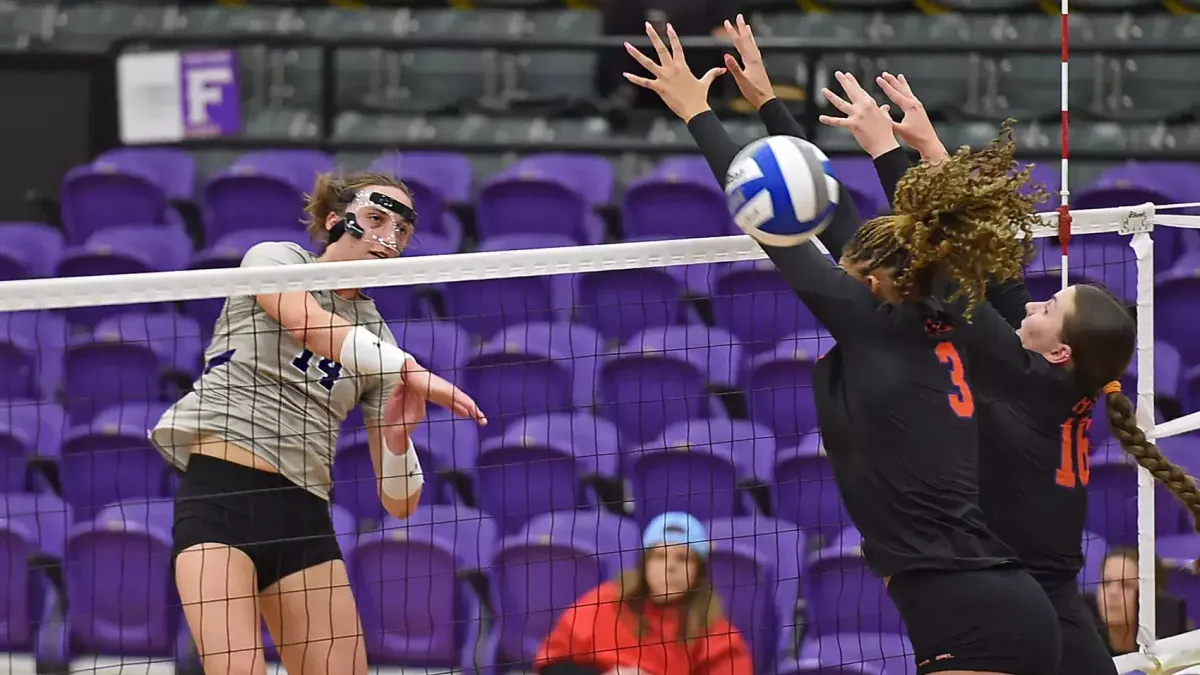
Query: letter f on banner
[(205, 89)]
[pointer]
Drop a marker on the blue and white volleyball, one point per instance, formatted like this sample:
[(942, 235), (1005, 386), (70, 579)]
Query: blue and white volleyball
[(781, 190)]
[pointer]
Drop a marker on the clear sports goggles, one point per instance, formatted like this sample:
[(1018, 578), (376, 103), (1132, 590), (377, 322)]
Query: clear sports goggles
[(376, 217)]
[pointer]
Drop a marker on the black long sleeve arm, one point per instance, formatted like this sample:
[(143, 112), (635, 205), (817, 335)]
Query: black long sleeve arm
[(1009, 297), (841, 303)]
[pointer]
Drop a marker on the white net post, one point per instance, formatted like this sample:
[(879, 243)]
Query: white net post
[(1142, 244)]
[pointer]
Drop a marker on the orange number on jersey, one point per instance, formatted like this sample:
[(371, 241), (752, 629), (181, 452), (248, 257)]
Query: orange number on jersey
[(961, 400), (1075, 446)]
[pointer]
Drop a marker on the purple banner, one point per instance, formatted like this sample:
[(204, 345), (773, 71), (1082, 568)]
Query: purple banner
[(211, 101)]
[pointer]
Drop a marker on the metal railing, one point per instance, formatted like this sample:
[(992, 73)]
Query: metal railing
[(811, 50)]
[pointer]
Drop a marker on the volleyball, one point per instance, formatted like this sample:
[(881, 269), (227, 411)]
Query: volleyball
[(781, 190)]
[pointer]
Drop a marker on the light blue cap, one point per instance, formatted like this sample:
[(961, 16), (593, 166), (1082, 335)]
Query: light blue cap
[(675, 527)]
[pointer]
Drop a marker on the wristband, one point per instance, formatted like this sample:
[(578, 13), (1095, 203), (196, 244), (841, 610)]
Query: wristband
[(402, 476), (365, 352)]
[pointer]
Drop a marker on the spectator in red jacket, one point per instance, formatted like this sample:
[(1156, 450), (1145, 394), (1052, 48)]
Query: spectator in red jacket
[(662, 618)]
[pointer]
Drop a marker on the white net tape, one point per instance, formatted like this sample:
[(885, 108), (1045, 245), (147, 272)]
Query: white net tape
[(699, 254)]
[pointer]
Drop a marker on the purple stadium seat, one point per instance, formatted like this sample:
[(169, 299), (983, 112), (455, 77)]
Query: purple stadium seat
[(884, 653), (779, 385), (416, 611), (355, 484), (532, 201), (697, 478), (95, 197), (228, 251), (1046, 174), (649, 384), (127, 249), (752, 446), (691, 167), (105, 370), (532, 580), (110, 459), (174, 339), (1136, 183), (511, 379), (265, 188), (484, 307), (435, 178), (30, 431), (804, 491), (172, 169), (748, 551), (473, 534), (29, 250), (453, 439), (1179, 555), (1112, 494), (621, 303), (1043, 275), (1177, 308), (31, 351), (861, 181), (32, 526), (590, 176), (752, 301), (1191, 390), (591, 437), (616, 539), (441, 346), (1168, 373), (714, 351), (581, 345), (536, 467), (675, 206), (121, 599), (844, 596)]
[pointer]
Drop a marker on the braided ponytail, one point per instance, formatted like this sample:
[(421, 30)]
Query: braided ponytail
[(1123, 422)]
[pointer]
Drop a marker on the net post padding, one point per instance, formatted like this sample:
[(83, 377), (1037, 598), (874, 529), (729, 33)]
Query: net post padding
[(157, 287)]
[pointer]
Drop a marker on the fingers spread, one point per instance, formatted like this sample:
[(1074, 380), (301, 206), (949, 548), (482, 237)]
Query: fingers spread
[(664, 56), (839, 122), (643, 82), (676, 46), (643, 60), (837, 101)]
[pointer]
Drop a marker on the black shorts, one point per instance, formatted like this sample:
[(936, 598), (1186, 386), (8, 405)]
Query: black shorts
[(994, 620), (282, 527), (1083, 649)]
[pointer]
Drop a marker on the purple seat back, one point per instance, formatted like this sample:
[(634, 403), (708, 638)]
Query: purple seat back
[(449, 171), (669, 206), (593, 441), (616, 539), (524, 473), (845, 596), (531, 202), (698, 479), (582, 345), (172, 169), (686, 167), (48, 331), (752, 446), (805, 492), (858, 175), (441, 346), (779, 385), (120, 595), (753, 302), (1112, 494), (29, 250), (532, 583), (590, 175), (454, 440), (43, 518), (355, 486), (95, 198), (1129, 184), (644, 391), (712, 350), (513, 380), (31, 527), (29, 429), (99, 373), (176, 340), (110, 460), (128, 249), (19, 356), (746, 587), (268, 197), (473, 534), (484, 307), (414, 608), (1177, 301), (301, 167), (622, 303)]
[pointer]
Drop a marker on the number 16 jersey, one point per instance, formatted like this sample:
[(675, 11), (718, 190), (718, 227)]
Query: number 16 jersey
[(262, 390)]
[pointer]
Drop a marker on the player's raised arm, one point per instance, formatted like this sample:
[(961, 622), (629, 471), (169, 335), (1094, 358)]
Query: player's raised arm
[(844, 305)]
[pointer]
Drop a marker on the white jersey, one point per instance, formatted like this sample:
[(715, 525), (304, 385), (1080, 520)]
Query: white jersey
[(263, 391)]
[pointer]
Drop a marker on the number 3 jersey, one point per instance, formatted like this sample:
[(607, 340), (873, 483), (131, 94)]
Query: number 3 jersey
[(263, 391)]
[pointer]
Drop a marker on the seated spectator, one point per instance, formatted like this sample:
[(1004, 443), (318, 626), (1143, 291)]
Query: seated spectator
[(662, 618), (1116, 605)]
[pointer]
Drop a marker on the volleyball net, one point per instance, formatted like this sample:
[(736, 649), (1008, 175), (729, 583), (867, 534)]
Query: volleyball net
[(620, 380)]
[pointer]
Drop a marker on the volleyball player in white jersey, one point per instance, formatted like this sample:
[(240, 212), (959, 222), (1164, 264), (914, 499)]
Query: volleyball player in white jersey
[(252, 533)]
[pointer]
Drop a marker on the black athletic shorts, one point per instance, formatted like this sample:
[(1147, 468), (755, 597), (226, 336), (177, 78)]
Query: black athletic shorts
[(1083, 649), (282, 527), (994, 620)]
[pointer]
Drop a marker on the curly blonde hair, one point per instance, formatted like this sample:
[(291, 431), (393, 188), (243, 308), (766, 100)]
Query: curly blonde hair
[(964, 219), (333, 194)]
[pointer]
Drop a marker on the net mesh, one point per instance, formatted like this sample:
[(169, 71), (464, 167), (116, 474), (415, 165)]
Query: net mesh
[(620, 381)]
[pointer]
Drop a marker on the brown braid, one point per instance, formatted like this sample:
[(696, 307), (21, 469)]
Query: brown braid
[(1124, 426), (964, 217)]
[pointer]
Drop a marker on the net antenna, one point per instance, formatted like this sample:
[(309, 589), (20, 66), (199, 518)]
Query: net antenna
[(1064, 192)]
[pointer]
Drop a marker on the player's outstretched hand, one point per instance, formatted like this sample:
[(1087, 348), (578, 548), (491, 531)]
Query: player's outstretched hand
[(751, 74), (914, 128), (684, 93), (866, 119), (441, 392)]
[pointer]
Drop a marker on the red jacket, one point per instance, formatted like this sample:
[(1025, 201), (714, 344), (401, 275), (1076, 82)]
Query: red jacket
[(601, 632)]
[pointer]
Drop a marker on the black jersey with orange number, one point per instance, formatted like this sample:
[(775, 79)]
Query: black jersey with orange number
[(895, 409), (1033, 426)]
